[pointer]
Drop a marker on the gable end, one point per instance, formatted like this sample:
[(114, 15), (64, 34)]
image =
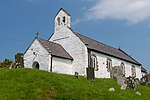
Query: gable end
[(33, 42), (62, 9)]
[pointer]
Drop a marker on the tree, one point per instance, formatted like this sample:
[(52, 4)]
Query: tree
[(6, 63), (19, 62)]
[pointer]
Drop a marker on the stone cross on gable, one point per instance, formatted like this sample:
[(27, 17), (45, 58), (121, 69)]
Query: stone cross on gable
[(37, 34)]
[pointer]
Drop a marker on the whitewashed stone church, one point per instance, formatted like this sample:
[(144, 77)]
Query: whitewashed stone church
[(68, 52)]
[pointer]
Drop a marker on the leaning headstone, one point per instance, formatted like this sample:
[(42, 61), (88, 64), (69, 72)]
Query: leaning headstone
[(138, 93), (121, 80), (123, 87), (117, 73), (111, 89)]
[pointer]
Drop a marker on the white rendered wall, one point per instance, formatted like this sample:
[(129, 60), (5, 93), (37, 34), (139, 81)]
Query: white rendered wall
[(138, 72), (41, 55), (61, 65), (102, 63), (102, 72), (74, 46)]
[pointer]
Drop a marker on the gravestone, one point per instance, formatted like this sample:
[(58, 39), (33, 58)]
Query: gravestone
[(90, 73), (123, 87), (111, 89), (76, 74), (117, 73), (138, 93), (145, 80), (131, 82)]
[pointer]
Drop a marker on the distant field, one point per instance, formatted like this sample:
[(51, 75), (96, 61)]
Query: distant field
[(31, 84)]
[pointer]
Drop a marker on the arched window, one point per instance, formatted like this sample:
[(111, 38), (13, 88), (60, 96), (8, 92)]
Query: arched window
[(36, 65), (109, 65), (64, 19), (133, 71), (93, 62), (58, 20), (123, 68)]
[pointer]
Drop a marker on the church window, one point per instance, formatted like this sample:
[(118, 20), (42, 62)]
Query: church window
[(34, 53), (64, 19), (93, 62), (109, 65), (133, 71), (58, 20), (123, 68)]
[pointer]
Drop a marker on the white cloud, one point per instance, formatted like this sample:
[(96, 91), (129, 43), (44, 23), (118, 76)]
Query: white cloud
[(133, 11), (76, 22)]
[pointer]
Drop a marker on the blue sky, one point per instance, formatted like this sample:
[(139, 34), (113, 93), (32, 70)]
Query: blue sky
[(118, 23)]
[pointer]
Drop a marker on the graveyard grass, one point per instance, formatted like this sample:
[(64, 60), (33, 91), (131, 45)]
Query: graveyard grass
[(31, 84)]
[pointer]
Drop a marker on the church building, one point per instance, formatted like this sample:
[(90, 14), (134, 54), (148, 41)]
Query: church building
[(69, 52)]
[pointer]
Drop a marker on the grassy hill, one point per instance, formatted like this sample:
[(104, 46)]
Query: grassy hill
[(29, 84)]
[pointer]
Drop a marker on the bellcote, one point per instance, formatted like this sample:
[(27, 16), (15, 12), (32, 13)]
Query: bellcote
[(62, 19)]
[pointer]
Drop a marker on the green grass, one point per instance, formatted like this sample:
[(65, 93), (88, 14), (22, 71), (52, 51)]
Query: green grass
[(29, 84)]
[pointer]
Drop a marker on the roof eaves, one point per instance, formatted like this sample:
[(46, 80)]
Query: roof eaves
[(66, 52), (48, 49), (129, 56), (62, 57), (143, 70), (87, 45), (114, 56)]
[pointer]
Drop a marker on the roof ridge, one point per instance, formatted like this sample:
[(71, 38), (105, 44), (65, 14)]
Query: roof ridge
[(97, 41), (106, 49), (49, 41)]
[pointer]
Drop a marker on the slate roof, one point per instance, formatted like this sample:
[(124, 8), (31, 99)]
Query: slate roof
[(54, 48), (105, 49)]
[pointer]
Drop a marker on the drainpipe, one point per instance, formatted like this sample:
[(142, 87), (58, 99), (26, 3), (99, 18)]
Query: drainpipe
[(51, 63), (89, 56)]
